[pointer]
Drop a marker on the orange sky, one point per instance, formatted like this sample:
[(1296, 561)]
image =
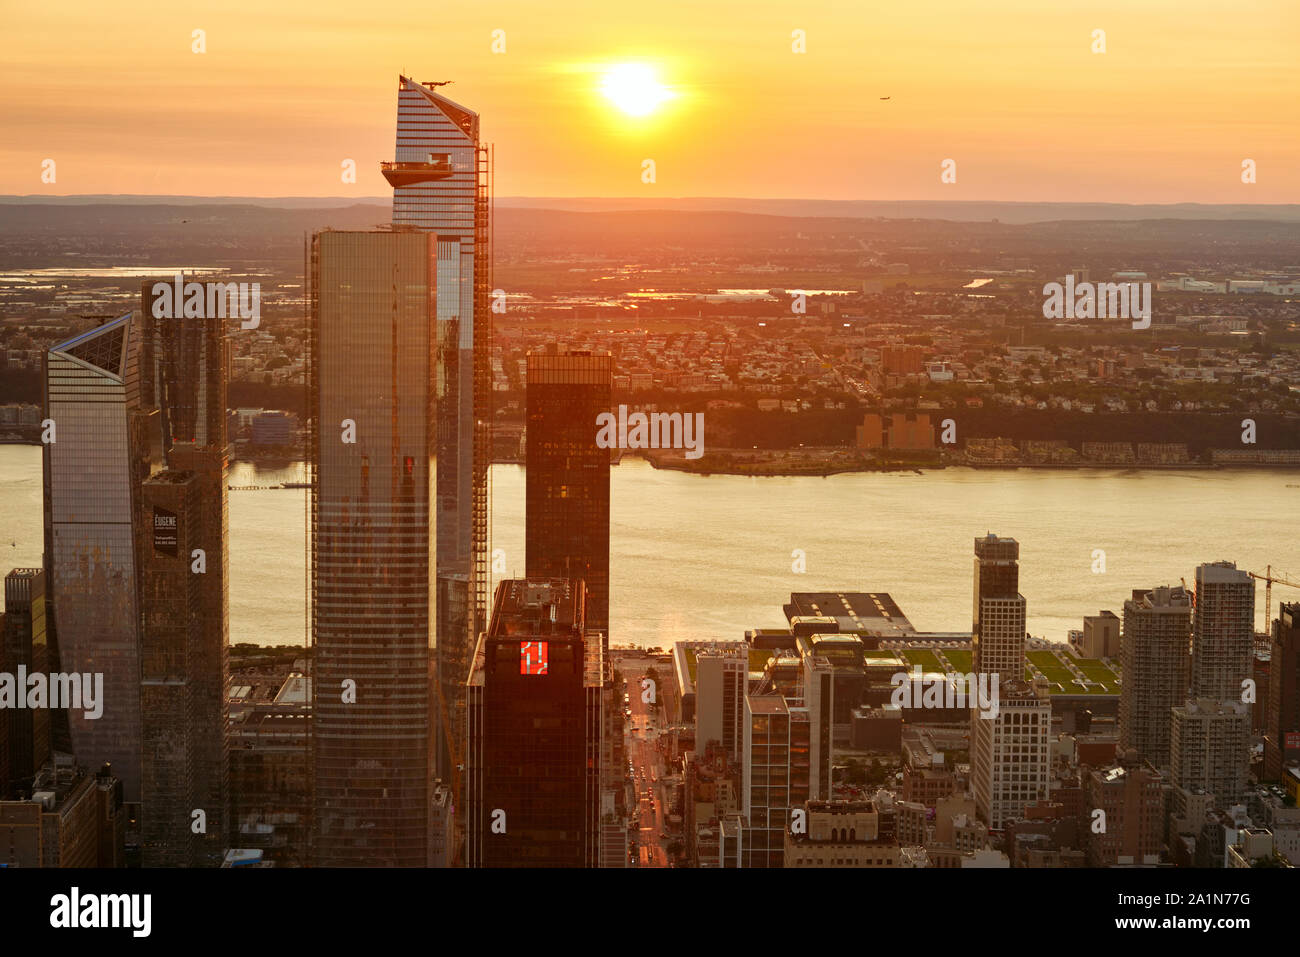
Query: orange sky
[(1008, 88)]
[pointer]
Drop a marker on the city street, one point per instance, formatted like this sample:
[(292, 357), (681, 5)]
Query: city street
[(647, 770)]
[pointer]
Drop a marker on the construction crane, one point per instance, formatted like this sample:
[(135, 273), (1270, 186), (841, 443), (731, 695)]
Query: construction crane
[(1268, 578)]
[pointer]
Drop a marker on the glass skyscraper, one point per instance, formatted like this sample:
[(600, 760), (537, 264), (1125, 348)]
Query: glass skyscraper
[(374, 386), (92, 471), (441, 185), (567, 519), (184, 633)]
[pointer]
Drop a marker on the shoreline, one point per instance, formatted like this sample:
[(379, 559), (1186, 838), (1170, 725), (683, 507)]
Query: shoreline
[(786, 469), (822, 471)]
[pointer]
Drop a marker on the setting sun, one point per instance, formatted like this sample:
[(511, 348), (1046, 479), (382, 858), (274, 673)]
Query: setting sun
[(634, 89)]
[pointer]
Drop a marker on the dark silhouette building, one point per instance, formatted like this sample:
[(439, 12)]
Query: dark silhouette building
[(567, 517), (182, 573), (533, 763), (1282, 722), (24, 732)]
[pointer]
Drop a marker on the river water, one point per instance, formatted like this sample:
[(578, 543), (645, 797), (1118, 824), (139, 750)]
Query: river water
[(707, 557)]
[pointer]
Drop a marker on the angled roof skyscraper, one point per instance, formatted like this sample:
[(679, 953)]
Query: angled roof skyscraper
[(441, 178), (92, 468)]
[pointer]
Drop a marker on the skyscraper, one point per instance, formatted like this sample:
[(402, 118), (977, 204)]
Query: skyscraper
[(171, 636), (92, 471), (182, 556), (567, 518), (1157, 628), (1223, 631), (373, 347), (23, 644), (721, 679), (1009, 754), (533, 764), (998, 631), (1282, 721), (775, 778), (441, 184)]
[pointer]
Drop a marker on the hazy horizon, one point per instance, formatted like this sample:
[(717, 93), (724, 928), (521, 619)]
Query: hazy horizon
[(1030, 102), (1011, 212)]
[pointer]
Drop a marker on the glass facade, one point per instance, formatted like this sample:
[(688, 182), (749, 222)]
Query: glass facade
[(567, 478), (374, 391), (23, 642), (184, 634), (92, 469), (171, 638), (443, 190), (776, 774)]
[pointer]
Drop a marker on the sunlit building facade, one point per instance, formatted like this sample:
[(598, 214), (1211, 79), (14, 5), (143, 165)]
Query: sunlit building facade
[(441, 184), (1223, 631), (1157, 630), (373, 346), (998, 631), (93, 467)]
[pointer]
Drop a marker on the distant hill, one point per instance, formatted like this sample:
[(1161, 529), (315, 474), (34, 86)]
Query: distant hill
[(70, 234), (1004, 212)]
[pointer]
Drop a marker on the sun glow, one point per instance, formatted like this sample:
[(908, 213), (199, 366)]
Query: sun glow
[(635, 89)]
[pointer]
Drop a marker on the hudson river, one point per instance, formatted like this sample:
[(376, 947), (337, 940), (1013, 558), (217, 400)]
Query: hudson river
[(709, 556)]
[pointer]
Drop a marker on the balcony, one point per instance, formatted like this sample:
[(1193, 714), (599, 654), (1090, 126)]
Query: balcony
[(411, 173)]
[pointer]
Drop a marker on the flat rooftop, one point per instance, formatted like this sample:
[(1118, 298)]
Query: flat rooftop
[(867, 613)]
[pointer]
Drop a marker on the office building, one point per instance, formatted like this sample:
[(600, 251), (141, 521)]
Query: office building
[(534, 717), (1156, 665), (1223, 631), (270, 771), (372, 372), (1282, 720), (998, 632), (1010, 756), (775, 778), (92, 472), (721, 679), (25, 743), (441, 179), (1100, 637), (71, 818), (567, 517), (183, 576), (845, 657)]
